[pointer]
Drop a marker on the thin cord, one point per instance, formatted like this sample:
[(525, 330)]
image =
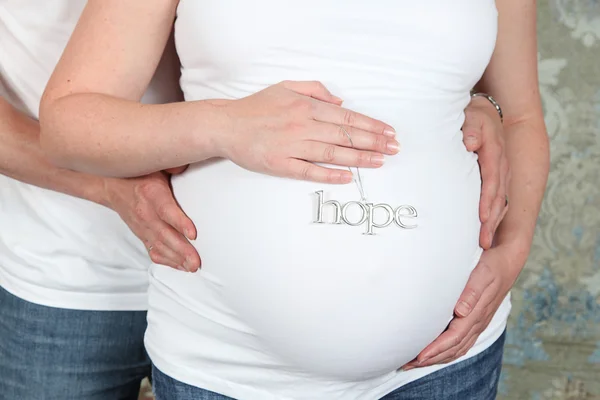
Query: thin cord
[(358, 179)]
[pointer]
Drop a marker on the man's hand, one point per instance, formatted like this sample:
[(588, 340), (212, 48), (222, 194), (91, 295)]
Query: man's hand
[(483, 134), (148, 207), (487, 287)]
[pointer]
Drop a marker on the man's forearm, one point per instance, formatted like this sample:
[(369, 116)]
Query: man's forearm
[(527, 150), (21, 158)]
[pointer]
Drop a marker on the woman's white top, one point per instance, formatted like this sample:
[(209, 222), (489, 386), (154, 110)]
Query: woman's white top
[(287, 308), (57, 250)]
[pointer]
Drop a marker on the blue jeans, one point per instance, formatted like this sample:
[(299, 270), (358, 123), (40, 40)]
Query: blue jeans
[(473, 379), (59, 354)]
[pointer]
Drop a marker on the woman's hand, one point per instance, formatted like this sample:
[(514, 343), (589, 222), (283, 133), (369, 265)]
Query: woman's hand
[(487, 287), (284, 129), (148, 207), (483, 134)]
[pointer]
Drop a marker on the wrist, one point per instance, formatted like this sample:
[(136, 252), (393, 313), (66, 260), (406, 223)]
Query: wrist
[(488, 104), (515, 253), (516, 241), (215, 128), (105, 194)]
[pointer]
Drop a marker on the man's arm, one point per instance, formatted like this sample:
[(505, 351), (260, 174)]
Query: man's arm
[(146, 204), (527, 145), (21, 158), (92, 121)]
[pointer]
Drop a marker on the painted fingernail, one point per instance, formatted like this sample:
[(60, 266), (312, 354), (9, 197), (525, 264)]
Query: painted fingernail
[(189, 234), (393, 146), (470, 140), (389, 132), (187, 264), (463, 308), (377, 160), (345, 177)]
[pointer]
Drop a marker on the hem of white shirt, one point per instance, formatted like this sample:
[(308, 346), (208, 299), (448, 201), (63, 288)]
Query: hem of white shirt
[(196, 377), (73, 300)]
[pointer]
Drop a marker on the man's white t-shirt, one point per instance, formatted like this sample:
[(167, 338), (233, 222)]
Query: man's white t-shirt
[(58, 250)]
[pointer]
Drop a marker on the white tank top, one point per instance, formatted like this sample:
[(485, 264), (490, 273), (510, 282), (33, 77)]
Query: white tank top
[(285, 308), (57, 250)]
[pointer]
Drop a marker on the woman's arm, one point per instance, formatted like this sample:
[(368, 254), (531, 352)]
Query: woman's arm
[(92, 120), (512, 79), (90, 114)]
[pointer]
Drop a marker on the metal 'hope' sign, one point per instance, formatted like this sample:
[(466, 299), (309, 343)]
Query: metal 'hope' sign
[(400, 215)]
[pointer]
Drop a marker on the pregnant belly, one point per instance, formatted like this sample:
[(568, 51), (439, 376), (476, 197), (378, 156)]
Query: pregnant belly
[(325, 297)]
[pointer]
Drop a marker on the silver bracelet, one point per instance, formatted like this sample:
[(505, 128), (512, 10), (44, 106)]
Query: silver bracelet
[(491, 100)]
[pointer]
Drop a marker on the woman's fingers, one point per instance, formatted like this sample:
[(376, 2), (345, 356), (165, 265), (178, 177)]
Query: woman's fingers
[(343, 156), (290, 126), (336, 115), (352, 137), (306, 171), (313, 89)]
